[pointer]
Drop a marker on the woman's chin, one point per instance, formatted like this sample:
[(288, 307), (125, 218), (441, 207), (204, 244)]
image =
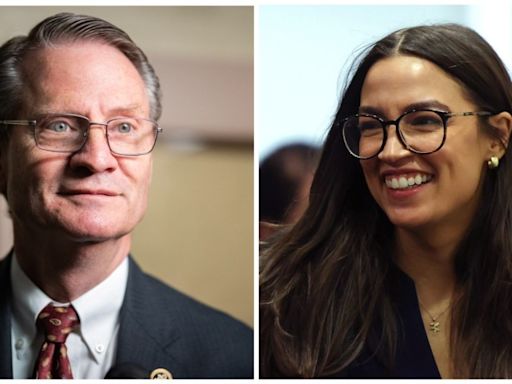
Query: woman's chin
[(408, 220)]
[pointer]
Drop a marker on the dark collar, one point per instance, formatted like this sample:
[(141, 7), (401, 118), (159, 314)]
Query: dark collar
[(414, 357)]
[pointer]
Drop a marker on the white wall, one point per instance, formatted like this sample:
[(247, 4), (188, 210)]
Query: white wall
[(304, 52)]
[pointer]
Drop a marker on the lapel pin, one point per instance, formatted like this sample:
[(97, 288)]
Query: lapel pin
[(160, 374)]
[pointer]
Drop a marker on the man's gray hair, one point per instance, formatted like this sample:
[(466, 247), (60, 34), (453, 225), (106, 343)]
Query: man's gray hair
[(65, 28)]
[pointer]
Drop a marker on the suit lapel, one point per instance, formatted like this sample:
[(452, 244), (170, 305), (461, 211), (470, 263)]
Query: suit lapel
[(145, 333), (5, 319)]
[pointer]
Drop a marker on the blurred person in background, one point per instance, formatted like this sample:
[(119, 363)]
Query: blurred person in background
[(284, 181)]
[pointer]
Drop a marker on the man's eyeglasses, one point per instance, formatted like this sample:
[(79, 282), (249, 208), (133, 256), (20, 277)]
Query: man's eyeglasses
[(126, 136), (420, 131)]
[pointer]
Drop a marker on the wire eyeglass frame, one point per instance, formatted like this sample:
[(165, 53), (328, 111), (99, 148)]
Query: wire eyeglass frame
[(85, 132)]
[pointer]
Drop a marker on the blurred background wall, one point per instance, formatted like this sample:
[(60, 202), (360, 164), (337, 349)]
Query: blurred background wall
[(304, 53), (198, 232)]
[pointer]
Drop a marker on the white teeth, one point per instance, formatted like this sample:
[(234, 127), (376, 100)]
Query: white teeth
[(402, 182)]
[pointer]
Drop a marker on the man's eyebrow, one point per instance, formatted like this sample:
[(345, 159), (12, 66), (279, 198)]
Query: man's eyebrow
[(129, 109), (117, 111)]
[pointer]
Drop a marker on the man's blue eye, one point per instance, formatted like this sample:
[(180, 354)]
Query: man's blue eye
[(124, 128), (58, 126)]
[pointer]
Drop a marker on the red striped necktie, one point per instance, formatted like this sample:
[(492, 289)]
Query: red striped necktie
[(56, 323)]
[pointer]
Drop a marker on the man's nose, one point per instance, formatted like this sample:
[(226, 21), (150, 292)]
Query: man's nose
[(95, 154), (394, 149)]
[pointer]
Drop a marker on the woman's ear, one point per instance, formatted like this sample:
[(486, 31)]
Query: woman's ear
[(502, 124)]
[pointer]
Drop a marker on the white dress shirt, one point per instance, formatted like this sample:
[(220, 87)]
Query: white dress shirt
[(92, 347)]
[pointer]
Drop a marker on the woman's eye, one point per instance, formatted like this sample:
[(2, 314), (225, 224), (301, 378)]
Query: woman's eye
[(420, 119), (427, 121), (369, 124)]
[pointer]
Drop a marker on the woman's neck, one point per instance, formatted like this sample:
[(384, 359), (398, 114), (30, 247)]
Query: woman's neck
[(429, 259)]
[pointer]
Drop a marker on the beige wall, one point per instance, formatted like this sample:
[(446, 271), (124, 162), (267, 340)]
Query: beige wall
[(198, 232)]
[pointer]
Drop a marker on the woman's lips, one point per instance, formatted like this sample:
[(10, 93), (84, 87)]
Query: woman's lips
[(406, 180)]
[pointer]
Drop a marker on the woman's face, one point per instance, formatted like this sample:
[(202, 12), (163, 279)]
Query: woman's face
[(451, 178)]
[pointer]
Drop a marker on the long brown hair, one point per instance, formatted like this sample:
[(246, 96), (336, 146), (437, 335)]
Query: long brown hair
[(325, 282)]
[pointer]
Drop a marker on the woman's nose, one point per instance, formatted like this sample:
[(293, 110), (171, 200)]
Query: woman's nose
[(394, 149)]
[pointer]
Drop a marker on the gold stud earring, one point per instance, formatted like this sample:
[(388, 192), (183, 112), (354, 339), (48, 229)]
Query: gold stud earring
[(493, 162)]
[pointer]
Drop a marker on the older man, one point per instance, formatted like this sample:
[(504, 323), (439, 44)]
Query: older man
[(78, 109)]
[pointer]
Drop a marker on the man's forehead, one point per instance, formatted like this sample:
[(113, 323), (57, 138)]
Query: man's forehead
[(39, 109), (56, 76), (53, 53)]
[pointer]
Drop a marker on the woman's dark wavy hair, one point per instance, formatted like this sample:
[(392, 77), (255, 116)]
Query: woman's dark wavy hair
[(326, 281)]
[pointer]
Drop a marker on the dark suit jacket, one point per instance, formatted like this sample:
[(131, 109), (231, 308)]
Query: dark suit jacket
[(160, 328)]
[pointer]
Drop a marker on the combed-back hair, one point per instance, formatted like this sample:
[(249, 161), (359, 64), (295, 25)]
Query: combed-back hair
[(67, 28), (325, 282)]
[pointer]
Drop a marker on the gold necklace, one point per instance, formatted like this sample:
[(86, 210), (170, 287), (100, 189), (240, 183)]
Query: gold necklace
[(434, 324)]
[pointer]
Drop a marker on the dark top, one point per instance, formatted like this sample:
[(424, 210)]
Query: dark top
[(414, 358)]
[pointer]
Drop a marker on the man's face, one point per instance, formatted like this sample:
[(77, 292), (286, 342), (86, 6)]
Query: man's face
[(89, 195)]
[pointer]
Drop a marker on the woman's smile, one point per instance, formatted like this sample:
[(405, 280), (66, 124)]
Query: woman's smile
[(417, 190)]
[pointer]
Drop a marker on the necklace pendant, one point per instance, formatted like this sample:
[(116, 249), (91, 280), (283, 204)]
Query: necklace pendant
[(434, 326)]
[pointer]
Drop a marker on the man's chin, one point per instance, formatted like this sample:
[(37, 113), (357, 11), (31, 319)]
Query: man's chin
[(75, 227), (87, 233)]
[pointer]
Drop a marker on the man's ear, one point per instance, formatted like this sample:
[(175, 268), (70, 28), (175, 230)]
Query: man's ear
[(502, 126)]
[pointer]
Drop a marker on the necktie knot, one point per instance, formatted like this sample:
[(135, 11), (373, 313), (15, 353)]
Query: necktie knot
[(57, 322)]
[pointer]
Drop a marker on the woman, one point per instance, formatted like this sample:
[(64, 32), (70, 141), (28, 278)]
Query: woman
[(402, 264)]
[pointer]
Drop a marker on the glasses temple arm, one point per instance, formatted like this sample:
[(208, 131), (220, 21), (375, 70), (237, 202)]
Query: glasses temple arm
[(17, 122)]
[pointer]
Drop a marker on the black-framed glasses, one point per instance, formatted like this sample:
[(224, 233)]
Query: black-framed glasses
[(65, 132), (422, 131)]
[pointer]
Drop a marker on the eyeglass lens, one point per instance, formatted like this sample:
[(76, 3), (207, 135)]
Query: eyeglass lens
[(422, 132), (126, 135)]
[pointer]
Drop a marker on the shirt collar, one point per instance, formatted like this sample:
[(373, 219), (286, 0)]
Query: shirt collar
[(98, 308)]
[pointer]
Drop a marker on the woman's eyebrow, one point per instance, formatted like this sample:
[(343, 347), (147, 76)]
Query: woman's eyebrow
[(426, 104), (370, 110)]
